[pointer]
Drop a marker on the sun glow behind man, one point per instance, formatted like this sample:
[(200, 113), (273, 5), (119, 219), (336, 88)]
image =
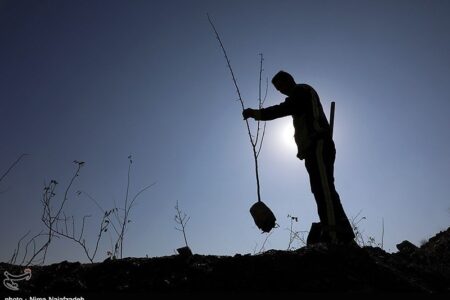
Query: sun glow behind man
[(287, 136)]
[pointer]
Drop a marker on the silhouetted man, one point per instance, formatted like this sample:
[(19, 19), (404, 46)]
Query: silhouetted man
[(315, 145)]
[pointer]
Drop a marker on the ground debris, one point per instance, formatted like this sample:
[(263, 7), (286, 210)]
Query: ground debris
[(318, 268)]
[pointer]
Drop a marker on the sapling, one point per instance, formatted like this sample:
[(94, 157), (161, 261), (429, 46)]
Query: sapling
[(181, 218), (262, 215)]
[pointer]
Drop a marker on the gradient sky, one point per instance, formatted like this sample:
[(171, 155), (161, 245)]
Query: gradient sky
[(99, 80)]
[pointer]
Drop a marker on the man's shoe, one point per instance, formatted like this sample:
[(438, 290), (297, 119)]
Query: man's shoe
[(315, 234)]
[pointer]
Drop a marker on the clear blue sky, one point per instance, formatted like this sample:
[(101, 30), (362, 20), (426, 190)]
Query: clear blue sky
[(99, 80)]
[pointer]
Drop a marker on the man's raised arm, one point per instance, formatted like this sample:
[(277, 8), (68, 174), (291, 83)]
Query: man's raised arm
[(270, 113)]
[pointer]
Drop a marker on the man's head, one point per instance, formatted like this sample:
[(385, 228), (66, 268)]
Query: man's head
[(284, 82)]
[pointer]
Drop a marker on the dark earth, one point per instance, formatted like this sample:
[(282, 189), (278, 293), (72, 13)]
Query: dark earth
[(312, 269)]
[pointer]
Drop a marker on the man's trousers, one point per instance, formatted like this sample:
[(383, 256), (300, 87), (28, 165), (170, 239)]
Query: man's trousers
[(334, 224)]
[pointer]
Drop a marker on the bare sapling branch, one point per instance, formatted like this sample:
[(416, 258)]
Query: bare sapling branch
[(261, 104), (58, 224), (125, 219), (12, 166), (255, 140), (181, 219), (263, 246), (259, 99), (295, 235), (117, 218), (17, 249), (70, 234), (106, 213), (118, 249), (32, 240), (359, 237), (49, 219)]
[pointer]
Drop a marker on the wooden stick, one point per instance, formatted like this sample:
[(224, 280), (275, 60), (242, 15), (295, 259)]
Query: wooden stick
[(332, 118)]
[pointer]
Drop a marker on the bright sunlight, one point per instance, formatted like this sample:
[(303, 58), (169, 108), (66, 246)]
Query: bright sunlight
[(287, 136)]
